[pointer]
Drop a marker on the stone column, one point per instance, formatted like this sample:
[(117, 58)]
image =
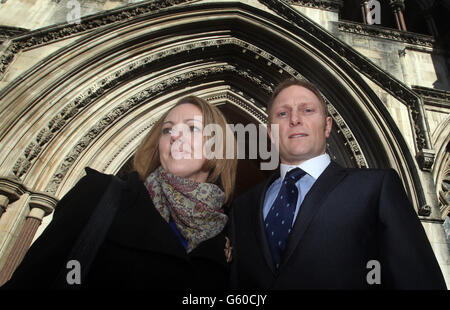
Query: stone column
[(40, 205), (364, 10), (10, 191), (3, 203), (398, 7)]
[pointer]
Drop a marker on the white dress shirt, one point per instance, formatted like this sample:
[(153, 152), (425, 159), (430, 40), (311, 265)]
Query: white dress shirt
[(313, 168)]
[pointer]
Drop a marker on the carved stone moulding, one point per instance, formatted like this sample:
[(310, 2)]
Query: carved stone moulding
[(424, 210), (443, 188), (431, 96), (43, 201), (120, 150), (249, 106), (45, 134), (386, 33), (27, 39), (9, 32), (123, 74), (425, 159), (347, 137), (329, 5), (13, 189)]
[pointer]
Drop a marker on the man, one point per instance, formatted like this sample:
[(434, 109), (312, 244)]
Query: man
[(323, 226)]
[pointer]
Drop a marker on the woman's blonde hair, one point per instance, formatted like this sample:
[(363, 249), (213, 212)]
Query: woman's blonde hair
[(222, 171)]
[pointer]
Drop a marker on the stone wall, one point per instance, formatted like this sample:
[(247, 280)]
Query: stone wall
[(32, 15)]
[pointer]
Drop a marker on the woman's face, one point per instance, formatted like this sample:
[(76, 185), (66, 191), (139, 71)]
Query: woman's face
[(181, 143)]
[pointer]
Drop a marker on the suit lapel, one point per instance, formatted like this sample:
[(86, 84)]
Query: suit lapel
[(331, 176), (258, 222)]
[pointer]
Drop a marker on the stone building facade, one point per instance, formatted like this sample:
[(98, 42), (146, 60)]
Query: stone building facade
[(81, 82)]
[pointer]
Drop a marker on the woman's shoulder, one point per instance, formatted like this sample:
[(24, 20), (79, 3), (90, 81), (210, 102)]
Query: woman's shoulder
[(92, 182), (96, 176), (85, 194), (96, 181)]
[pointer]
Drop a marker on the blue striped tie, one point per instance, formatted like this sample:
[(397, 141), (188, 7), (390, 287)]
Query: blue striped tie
[(278, 221)]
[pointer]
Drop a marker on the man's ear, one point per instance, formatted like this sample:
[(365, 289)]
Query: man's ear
[(328, 126)]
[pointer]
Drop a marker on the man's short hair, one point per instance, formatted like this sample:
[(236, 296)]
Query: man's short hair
[(294, 82)]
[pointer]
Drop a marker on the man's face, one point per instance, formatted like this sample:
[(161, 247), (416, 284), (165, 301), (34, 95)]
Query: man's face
[(303, 126)]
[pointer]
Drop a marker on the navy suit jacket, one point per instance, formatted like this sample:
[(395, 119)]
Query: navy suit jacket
[(349, 218)]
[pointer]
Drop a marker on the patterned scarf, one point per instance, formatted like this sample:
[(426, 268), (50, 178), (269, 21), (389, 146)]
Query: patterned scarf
[(196, 208)]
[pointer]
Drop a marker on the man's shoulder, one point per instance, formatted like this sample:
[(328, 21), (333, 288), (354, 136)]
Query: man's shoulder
[(367, 170), (370, 173)]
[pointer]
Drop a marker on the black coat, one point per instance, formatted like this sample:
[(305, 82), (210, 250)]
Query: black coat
[(348, 218), (140, 250)]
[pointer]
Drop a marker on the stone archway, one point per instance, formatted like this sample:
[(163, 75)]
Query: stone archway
[(93, 88)]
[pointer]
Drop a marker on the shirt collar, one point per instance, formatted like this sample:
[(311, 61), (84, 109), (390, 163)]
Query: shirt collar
[(314, 166)]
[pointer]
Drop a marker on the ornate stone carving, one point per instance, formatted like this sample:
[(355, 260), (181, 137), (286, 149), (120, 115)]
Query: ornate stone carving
[(435, 97), (123, 146), (88, 23), (443, 188), (122, 74), (11, 188), (21, 167), (424, 210), (387, 33), (348, 137), (8, 31), (426, 159), (244, 104), (7, 57), (330, 5)]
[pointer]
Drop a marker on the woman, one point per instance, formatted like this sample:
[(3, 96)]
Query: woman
[(168, 229)]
